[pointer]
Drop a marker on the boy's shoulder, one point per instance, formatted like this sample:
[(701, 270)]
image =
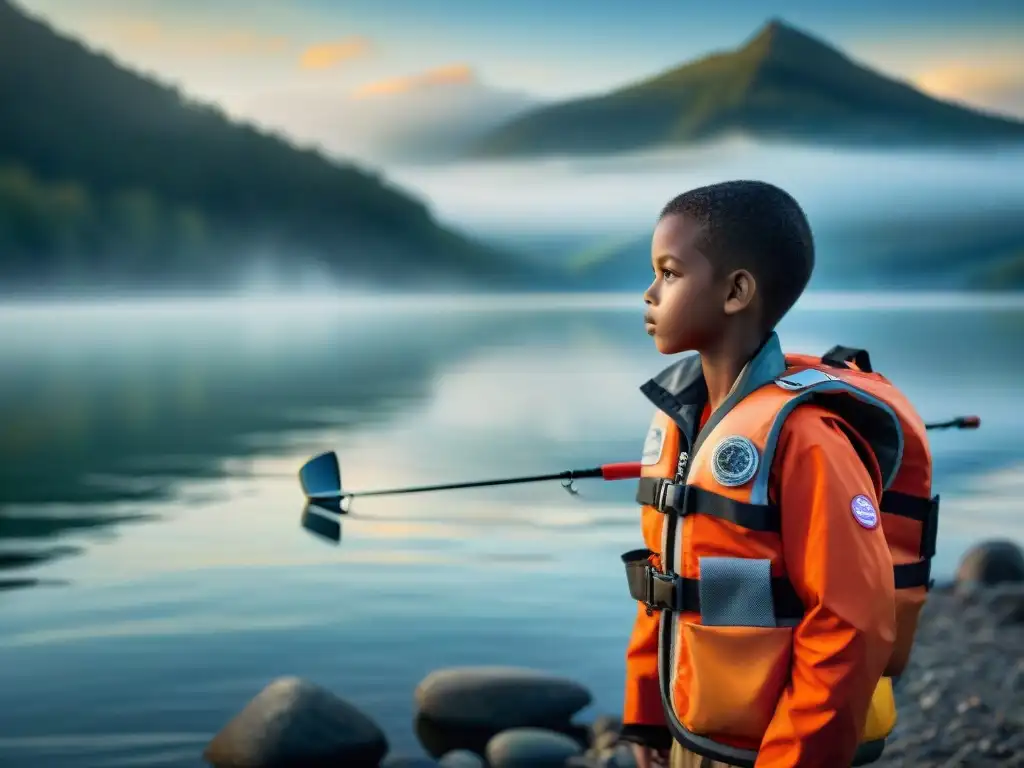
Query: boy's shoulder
[(816, 438)]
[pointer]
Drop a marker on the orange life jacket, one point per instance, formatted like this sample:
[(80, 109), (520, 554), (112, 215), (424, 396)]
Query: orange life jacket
[(910, 514), (728, 599)]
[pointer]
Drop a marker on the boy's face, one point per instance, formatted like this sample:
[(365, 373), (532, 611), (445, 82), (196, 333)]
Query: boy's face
[(685, 303)]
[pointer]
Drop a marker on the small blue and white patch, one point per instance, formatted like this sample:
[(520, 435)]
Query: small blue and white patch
[(734, 461), (653, 446), (809, 377), (864, 511)]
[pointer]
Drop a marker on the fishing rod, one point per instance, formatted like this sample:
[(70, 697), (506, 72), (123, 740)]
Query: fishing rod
[(320, 477), (961, 422)]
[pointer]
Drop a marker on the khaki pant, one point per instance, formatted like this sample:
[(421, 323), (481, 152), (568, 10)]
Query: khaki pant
[(684, 758)]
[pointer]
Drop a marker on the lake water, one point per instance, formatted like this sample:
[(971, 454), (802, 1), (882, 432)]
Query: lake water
[(157, 575)]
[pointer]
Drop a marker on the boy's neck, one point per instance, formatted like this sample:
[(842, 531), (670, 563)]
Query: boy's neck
[(722, 365)]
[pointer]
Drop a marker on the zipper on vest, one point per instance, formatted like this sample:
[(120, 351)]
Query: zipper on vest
[(668, 565), (684, 459), (681, 464)]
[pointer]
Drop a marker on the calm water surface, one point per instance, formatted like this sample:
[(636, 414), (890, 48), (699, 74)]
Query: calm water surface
[(155, 574)]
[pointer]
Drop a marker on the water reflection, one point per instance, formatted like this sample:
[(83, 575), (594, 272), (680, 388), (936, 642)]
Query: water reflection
[(105, 410), (321, 524)]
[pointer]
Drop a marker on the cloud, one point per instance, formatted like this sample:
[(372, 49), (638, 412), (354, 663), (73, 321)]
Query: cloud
[(196, 40), (998, 84), (328, 55), (453, 74), (962, 79)]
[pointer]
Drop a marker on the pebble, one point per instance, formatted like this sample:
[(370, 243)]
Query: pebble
[(461, 758), (605, 724), (530, 748), (961, 700), (403, 761)]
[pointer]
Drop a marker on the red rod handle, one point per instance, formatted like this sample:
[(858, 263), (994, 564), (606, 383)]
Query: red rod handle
[(626, 470)]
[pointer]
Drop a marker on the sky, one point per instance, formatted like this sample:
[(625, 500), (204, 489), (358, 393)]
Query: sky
[(235, 51)]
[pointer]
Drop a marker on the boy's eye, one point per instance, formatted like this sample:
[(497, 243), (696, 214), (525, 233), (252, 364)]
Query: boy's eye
[(667, 274)]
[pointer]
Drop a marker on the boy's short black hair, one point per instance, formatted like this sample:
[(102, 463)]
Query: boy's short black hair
[(756, 226)]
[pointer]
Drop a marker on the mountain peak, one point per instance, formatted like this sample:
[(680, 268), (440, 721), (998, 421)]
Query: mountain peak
[(774, 26), (780, 83), (778, 40)]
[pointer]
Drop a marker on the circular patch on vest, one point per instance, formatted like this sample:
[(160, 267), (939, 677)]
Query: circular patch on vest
[(864, 511), (734, 461)]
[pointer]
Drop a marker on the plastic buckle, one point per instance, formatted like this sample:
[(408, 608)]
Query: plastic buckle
[(662, 494), (654, 576), (668, 498)]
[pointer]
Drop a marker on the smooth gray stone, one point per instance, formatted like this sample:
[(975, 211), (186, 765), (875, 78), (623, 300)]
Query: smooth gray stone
[(294, 722)]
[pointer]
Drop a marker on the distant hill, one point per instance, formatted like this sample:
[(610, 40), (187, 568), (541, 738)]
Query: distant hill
[(109, 178), (781, 84)]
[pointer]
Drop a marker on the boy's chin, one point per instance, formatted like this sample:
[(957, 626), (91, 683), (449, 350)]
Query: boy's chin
[(670, 346)]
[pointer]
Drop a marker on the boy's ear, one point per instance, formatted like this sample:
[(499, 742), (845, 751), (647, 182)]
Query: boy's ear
[(742, 288)]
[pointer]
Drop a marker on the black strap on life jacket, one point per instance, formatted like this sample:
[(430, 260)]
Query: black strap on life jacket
[(673, 498), (917, 574), (839, 356), (665, 592), (926, 512)]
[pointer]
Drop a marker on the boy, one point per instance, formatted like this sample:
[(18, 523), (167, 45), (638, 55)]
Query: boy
[(730, 260)]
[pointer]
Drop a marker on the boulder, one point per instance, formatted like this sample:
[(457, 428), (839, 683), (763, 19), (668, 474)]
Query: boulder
[(531, 748), (499, 698), (989, 563), (294, 722)]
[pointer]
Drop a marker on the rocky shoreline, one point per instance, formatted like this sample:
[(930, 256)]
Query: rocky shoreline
[(960, 701)]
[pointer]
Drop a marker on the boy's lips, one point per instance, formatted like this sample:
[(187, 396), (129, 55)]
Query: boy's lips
[(649, 324)]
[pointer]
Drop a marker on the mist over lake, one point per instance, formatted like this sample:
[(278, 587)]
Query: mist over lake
[(626, 192), (898, 219)]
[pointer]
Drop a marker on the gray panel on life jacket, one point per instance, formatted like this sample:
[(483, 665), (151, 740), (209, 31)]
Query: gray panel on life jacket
[(736, 592)]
